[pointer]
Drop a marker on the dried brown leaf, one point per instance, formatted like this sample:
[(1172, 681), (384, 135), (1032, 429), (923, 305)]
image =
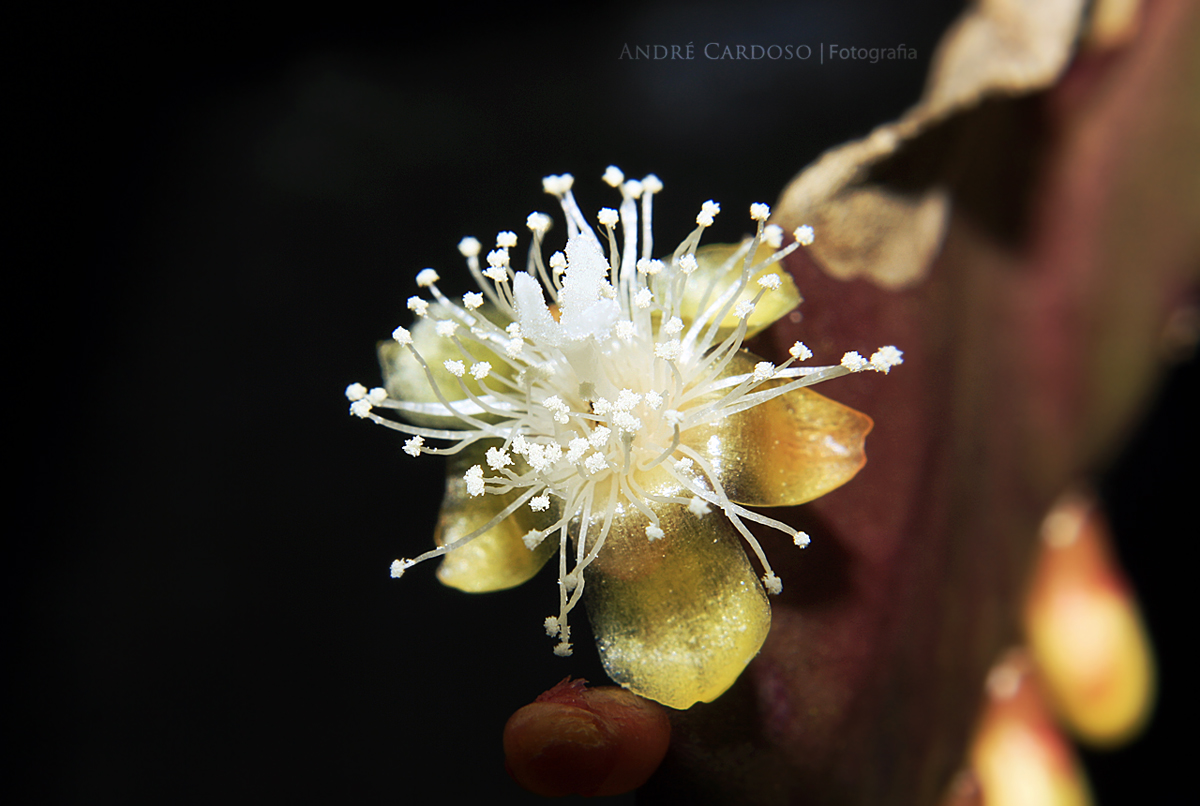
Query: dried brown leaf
[(889, 230)]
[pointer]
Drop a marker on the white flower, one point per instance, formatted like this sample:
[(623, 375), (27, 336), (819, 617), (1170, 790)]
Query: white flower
[(612, 401)]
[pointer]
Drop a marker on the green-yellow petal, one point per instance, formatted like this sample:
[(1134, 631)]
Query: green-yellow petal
[(497, 559), (677, 619), (715, 264), (789, 450), (405, 378)]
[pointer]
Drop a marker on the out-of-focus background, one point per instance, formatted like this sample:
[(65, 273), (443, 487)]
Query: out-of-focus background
[(224, 220)]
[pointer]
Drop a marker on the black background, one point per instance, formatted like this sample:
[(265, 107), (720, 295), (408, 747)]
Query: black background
[(221, 220)]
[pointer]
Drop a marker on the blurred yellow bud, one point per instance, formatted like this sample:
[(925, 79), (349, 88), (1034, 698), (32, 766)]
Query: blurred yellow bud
[(1084, 629), (1019, 757)]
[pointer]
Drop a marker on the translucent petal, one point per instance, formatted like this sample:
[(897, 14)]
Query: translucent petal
[(718, 271), (497, 559), (786, 451), (677, 619), (405, 378)]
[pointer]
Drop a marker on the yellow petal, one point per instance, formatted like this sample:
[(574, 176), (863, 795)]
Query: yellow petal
[(497, 559), (786, 451), (1085, 631), (718, 271), (677, 619)]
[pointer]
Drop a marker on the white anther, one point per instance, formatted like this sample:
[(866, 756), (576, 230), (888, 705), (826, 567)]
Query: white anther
[(599, 437), (595, 463), (650, 266), (557, 185), (538, 222), (667, 350), (474, 480), (883, 359), (854, 362), (707, 210), (498, 458), (773, 236)]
